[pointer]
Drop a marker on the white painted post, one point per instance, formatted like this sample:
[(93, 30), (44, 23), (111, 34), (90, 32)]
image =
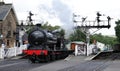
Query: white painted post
[(88, 40), (76, 50), (1, 53), (15, 49), (20, 49), (84, 50), (21, 32)]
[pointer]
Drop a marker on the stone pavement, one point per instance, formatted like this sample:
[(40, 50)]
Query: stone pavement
[(115, 66), (61, 64), (70, 62), (14, 57)]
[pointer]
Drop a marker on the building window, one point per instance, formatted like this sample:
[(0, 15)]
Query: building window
[(8, 34), (7, 42)]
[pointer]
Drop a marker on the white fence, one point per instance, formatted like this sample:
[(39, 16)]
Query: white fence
[(82, 50), (10, 52)]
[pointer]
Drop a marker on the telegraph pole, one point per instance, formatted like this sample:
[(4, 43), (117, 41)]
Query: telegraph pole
[(89, 24)]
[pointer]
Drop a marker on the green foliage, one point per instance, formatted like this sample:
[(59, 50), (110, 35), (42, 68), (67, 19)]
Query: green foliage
[(117, 30), (29, 29), (80, 36), (52, 28), (49, 27), (62, 32), (77, 35), (104, 39)]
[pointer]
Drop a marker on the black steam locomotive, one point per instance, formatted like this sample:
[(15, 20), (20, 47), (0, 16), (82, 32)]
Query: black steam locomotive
[(45, 46)]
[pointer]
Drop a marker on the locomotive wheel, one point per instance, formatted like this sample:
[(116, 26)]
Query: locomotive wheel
[(57, 56), (53, 57), (32, 59), (47, 58)]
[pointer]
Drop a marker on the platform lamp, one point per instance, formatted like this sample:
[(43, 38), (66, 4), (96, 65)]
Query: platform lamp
[(1, 39), (1, 36)]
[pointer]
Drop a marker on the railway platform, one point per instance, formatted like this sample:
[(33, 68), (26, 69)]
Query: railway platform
[(78, 58)]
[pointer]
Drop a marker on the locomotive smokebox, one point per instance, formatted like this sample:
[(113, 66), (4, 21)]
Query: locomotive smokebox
[(36, 37)]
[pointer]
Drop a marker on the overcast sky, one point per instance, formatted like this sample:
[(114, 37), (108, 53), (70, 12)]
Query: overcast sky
[(59, 12)]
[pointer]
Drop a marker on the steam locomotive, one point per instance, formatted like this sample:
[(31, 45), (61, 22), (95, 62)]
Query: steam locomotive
[(45, 46)]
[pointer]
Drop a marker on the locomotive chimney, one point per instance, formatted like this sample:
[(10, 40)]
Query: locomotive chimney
[(38, 25)]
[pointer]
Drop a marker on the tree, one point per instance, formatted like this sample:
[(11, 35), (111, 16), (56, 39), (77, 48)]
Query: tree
[(104, 39), (77, 35), (46, 26), (62, 32), (49, 27), (117, 30), (52, 28)]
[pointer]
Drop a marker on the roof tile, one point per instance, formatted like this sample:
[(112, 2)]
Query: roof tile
[(4, 9)]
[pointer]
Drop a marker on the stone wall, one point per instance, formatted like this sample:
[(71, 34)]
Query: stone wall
[(8, 29)]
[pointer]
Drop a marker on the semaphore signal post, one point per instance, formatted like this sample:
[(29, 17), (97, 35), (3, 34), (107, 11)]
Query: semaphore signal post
[(86, 25)]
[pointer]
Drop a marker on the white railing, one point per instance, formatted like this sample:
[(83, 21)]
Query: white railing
[(2, 52), (82, 50), (10, 52)]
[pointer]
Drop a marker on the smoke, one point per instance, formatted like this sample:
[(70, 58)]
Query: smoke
[(60, 10), (64, 13)]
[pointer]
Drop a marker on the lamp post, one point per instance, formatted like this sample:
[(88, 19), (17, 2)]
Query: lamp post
[(1, 36), (1, 39)]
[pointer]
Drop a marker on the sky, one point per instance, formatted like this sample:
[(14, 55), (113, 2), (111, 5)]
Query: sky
[(60, 12)]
